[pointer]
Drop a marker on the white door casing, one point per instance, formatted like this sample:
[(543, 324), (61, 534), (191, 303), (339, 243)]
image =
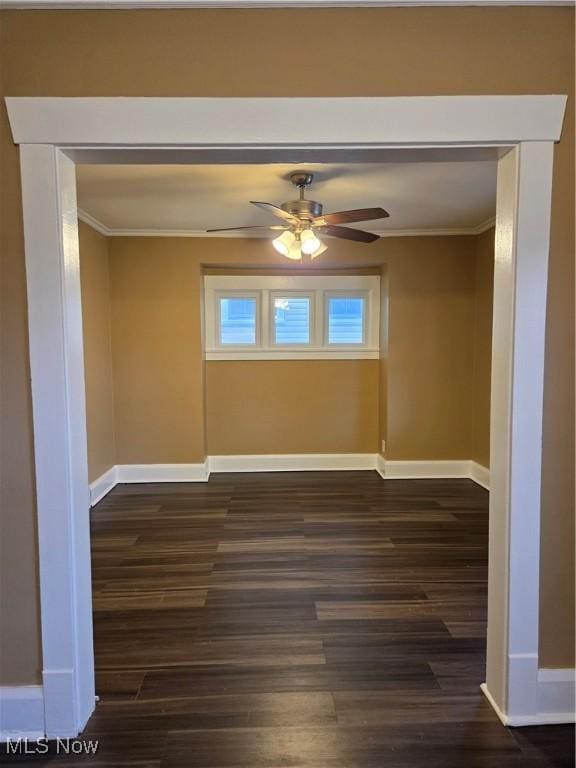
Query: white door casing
[(53, 133)]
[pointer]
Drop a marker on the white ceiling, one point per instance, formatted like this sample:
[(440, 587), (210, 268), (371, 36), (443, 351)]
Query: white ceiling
[(182, 199)]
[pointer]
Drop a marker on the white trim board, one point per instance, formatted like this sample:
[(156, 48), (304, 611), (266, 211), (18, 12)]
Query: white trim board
[(167, 4), (289, 462), (555, 700), (162, 473), (298, 462), (107, 231), (54, 133), (110, 124), (103, 485), (21, 712), (405, 470)]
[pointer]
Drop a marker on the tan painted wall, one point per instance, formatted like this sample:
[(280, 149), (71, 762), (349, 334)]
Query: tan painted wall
[(160, 389), (292, 406), (156, 350), (484, 291), (430, 354), (389, 52), (95, 284)]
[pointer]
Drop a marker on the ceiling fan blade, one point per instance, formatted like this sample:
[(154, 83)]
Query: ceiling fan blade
[(347, 233), (271, 227), (347, 217), (276, 211)]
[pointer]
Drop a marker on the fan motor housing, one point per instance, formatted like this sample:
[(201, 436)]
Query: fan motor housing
[(303, 209)]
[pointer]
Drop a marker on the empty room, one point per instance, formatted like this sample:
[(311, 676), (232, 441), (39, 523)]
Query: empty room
[(288, 387)]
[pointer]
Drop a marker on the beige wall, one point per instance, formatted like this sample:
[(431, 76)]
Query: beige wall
[(430, 352), (389, 52), (156, 350), (95, 284), (289, 407), (484, 290), (292, 406)]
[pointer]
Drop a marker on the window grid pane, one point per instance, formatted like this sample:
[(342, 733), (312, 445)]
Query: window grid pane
[(238, 321), (346, 320), (292, 320)]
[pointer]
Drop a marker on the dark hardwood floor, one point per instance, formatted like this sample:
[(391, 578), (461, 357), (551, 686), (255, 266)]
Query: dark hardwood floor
[(309, 620)]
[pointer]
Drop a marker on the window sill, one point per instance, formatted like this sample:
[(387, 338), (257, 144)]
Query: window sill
[(293, 354)]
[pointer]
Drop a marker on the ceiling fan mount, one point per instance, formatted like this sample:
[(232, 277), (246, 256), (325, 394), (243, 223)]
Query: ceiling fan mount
[(303, 220), (305, 210)]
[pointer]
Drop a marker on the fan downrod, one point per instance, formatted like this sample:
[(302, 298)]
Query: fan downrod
[(303, 209)]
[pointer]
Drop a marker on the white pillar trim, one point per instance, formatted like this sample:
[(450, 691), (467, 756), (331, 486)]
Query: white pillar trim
[(54, 132)]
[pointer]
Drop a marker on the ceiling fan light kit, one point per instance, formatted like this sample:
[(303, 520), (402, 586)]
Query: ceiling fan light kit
[(303, 221)]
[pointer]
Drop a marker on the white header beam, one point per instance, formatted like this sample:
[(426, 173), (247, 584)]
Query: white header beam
[(285, 122)]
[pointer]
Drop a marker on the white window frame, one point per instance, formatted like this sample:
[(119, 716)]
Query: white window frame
[(315, 287), (369, 332), (215, 326)]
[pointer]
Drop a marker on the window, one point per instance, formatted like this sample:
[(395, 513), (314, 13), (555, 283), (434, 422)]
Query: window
[(291, 320), (237, 320), (346, 319), (287, 317)]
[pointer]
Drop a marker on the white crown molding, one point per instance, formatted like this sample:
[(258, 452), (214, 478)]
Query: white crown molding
[(92, 222), (167, 4), (99, 226)]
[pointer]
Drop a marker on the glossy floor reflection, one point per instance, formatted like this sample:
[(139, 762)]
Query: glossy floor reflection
[(310, 620)]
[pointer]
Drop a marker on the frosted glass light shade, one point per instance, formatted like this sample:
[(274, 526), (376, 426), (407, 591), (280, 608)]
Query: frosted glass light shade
[(284, 243), (294, 252), (321, 248), (309, 241)]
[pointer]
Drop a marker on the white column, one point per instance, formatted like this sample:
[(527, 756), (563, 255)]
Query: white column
[(58, 397), (520, 283)]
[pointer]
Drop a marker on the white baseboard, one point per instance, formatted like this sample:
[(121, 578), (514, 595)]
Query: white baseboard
[(21, 712), (554, 700), (556, 695), (290, 462), (479, 474), (297, 462), (406, 470), (103, 485), (147, 473), (162, 473)]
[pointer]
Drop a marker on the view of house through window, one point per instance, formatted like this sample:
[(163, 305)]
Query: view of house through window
[(237, 321), (291, 320), (346, 320)]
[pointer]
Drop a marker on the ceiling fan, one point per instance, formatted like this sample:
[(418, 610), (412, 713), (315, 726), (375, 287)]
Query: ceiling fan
[(303, 221)]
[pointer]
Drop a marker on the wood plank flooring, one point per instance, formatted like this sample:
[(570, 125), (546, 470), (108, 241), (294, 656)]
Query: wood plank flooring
[(310, 620)]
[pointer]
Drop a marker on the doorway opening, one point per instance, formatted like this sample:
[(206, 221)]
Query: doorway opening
[(54, 134)]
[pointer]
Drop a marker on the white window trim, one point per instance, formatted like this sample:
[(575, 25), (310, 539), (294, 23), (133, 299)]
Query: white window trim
[(370, 330), (213, 327), (318, 289)]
